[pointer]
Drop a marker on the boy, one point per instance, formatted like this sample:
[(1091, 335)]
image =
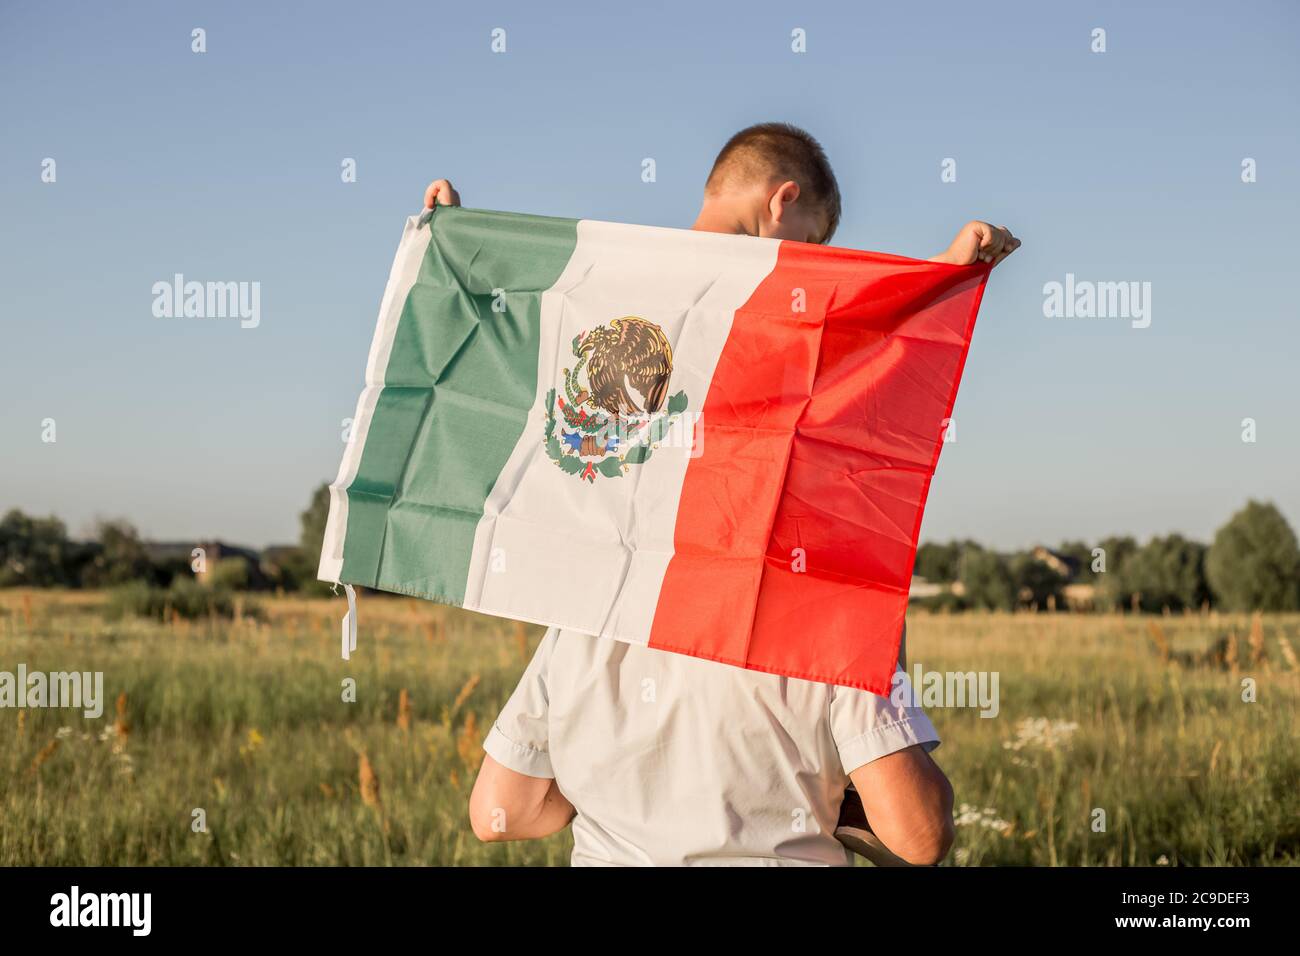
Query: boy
[(661, 758)]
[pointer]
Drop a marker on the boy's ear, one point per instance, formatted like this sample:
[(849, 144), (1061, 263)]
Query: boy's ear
[(784, 195)]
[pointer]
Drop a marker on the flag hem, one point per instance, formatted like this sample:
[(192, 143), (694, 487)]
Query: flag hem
[(404, 271)]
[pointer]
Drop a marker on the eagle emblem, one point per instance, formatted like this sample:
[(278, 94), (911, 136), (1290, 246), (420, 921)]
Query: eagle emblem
[(616, 408)]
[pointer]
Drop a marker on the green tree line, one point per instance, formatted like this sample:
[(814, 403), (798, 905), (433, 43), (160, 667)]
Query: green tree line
[(37, 552), (1252, 564)]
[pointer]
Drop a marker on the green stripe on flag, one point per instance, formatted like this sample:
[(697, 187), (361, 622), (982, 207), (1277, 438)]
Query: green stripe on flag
[(460, 381)]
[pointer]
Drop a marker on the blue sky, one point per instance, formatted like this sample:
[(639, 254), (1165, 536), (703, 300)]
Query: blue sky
[(1120, 166)]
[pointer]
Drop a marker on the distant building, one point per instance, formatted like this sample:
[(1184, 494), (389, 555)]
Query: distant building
[(216, 551), (276, 555), (921, 588), (1080, 597), (186, 553), (167, 552), (1063, 564), (276, 562)]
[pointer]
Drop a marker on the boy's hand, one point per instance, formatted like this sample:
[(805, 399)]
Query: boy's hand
[(442, 192), (979, 242)]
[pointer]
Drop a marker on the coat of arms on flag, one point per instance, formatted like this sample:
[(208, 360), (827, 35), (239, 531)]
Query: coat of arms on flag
[(621, 414), (734, 437)]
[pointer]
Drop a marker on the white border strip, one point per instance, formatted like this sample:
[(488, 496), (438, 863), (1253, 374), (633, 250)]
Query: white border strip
[(406, 267)]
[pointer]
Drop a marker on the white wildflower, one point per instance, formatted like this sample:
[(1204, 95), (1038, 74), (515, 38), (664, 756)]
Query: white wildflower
[(986, 817), (1042, 733)]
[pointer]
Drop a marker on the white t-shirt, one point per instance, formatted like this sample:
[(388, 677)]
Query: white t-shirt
[(676, 760)]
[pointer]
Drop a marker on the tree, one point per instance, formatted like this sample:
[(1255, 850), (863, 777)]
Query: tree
[(1035, 582), (298, 569), (1165, 572), (937, 562), (34, 551), (1116, 550), (313, 521), (986, 581), (121, 556), (232, 574), (1254, 563)]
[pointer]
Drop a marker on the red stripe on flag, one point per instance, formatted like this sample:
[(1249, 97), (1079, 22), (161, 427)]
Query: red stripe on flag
[(822, 430)]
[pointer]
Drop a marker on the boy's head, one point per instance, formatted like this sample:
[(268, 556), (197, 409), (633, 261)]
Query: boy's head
[(772, 180)]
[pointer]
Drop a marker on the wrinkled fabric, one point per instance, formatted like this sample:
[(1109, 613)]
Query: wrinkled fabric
[(771, 525)]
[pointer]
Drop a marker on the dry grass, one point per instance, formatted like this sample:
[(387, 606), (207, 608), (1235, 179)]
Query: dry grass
[(1185, 770), (247, 720)]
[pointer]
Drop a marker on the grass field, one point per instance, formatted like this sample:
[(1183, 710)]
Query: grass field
[(245, 720)]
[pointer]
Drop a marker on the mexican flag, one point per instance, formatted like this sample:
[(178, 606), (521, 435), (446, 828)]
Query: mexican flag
[(715, 445)]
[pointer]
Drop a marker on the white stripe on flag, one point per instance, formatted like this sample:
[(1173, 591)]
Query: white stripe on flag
[(553, 548)]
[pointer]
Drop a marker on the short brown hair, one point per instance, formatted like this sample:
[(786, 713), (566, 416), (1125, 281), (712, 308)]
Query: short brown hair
[(779, 151)]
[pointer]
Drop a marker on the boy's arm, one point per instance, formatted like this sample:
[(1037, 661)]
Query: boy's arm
[(978, 242), (507, 805), (908, 803), (515, 796)]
